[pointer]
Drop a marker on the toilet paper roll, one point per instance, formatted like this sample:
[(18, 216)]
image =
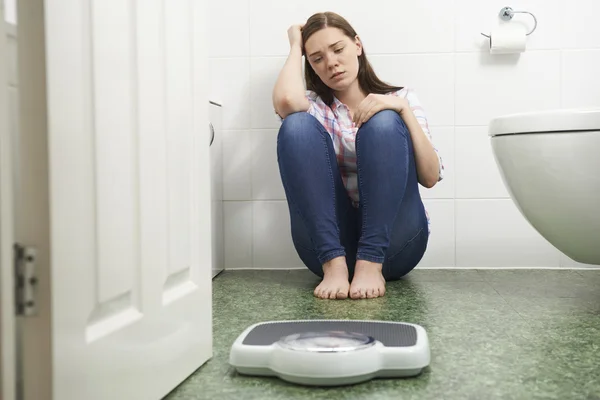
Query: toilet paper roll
[(508, 38)]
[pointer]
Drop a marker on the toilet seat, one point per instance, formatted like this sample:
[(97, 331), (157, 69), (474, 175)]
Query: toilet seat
[(564, 120)]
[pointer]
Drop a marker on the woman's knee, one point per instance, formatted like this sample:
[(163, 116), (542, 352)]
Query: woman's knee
[(384, 122), (296, 125)]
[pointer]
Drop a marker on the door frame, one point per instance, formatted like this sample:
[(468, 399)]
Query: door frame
[(32, 228), (8, 376)]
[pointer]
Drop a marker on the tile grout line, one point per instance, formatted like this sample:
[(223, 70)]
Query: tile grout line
[(454, 146), (408, 54)]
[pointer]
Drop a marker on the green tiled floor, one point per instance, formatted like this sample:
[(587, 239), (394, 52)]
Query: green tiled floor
[(502, 334)]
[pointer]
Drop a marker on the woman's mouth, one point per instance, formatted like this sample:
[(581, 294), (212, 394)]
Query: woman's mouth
[(337, 75)]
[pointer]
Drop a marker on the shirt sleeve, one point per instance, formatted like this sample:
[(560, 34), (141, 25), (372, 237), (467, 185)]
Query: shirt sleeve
[(419, 112)]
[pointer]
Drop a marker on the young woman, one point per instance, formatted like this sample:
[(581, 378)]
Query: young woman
[(351, 151)]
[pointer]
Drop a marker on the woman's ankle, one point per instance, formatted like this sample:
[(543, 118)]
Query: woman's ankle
[(336, 264)]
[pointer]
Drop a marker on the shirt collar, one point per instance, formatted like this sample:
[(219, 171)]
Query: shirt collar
[(336, 104)]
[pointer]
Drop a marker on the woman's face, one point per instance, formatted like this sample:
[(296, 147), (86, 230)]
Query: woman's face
[(334, 57)]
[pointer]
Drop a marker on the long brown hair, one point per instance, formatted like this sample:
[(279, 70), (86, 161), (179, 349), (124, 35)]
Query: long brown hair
[(367, 79)]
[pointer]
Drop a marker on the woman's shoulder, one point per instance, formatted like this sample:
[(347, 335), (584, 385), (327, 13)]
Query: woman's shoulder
[(404, 92), (410, 94)]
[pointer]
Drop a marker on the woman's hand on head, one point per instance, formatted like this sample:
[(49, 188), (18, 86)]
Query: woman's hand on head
[(374, 103), (295, 35)]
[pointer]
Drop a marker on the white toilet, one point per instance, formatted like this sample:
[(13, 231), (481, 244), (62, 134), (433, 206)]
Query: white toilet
[(550, 164)]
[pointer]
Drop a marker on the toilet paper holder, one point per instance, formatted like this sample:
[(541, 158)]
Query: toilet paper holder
[(507, 13)]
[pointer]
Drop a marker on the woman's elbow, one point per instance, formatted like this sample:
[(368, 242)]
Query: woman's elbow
[(429, 181), (286, 106), (430, 176)]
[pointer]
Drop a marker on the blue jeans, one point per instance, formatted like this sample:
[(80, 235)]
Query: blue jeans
[(389, 226)]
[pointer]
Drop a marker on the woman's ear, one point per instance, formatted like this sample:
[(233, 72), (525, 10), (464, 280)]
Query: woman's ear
[(358, 45)]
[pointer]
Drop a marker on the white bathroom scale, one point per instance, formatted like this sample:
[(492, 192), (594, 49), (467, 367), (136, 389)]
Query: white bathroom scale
[(331, 352)]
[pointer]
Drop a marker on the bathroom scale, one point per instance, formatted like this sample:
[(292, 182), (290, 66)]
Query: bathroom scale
[(331, 352)]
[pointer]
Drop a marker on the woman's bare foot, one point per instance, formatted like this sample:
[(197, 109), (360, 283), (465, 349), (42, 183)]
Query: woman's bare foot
[(368, 281), (335, 283)]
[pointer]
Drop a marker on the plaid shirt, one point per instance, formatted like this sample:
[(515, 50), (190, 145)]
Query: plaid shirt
[(338, 122)]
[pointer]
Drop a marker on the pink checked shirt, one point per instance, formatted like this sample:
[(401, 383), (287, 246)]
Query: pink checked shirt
[(338, 122)]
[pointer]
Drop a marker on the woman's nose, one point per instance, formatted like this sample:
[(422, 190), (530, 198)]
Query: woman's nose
[(332, 62)]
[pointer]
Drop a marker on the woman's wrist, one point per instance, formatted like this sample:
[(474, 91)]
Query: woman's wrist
[(296, 47), (401, 105)]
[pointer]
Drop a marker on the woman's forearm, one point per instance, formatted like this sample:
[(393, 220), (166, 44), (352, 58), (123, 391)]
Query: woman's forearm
[(426, 159), (289, 93)]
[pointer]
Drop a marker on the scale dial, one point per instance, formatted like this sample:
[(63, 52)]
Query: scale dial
[(327, 342)]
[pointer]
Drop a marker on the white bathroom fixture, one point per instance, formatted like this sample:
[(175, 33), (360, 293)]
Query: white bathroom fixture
[(507, 13), (550, 164)]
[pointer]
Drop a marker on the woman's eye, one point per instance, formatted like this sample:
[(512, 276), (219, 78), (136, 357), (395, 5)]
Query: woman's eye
[(339, 50)]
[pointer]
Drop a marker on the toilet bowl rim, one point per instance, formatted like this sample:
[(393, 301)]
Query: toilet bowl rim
[(546, 121)]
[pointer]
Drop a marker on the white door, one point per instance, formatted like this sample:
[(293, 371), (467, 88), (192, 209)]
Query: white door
[(115, 197), (7, 319)]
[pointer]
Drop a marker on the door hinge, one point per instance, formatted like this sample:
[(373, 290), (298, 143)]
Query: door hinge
[(26, 280)]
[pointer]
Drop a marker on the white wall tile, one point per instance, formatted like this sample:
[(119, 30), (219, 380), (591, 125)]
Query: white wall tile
[(237, 163), (266, 180), (270, 20), (230, 86), (237, 225), (229, 36), (430, 75), (440, 249), (263, 74), (390, 31), (580, 78), (435, 47), (474, 17), (425, 26), (443, 139), (477, 174), (493, 85), (492, 233), (580, 26), (273, 246)]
